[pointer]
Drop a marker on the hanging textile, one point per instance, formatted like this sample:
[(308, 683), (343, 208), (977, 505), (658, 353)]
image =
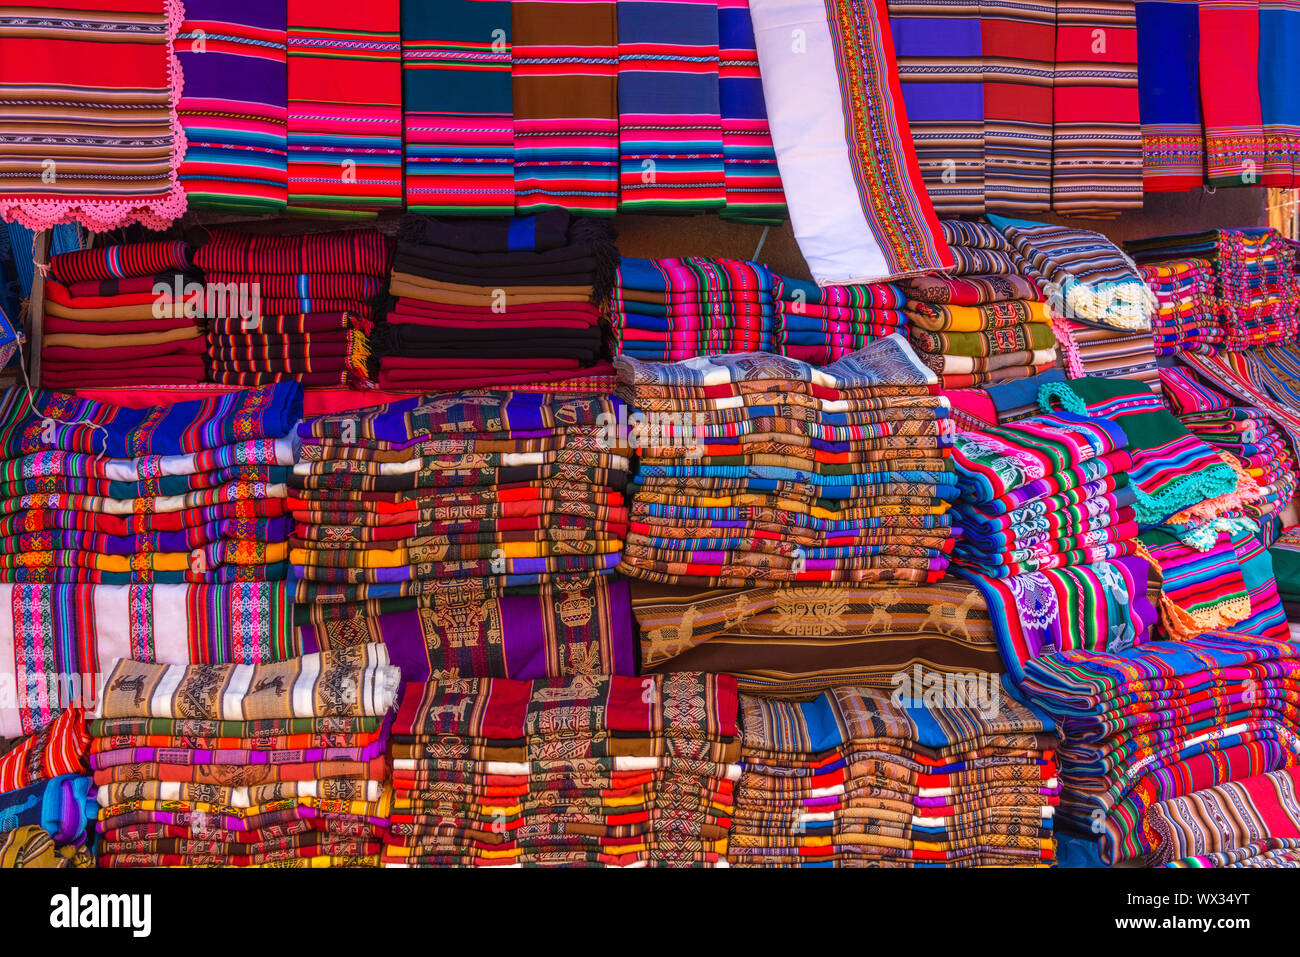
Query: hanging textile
[(1019, 44), (457, 111), (749, 162), (1229, 60), (859, 208), (670, 123), (345, 105), (1169, 96), (1279, 100), (564, 71), (234, 104), (1096, 136), (88, 121), (941, 73)]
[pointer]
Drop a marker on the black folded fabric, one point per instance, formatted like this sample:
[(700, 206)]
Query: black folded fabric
[(549, 249)]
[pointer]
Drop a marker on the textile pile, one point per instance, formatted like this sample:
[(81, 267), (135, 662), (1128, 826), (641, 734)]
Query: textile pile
[(45, 810), (822, 324), (1186, 319), (1161, 721), (291, 307), (122, 316), (1043, 493), (458, 492), (984, 322), (280, 765), (587, 770), (758, 469), (510, 303), (664, 310), (1255, 282), (795, 641), (187, 492), (857, 778)]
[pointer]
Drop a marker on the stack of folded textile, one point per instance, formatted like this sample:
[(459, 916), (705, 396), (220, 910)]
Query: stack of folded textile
[(53, 832), (866, 777), (819, 324), (760, 468), (983, 323), (1043, 493), (670, 309), (187, 492), (458, 491), (798, 640), (1254, 822), (495, 303), (586, 770), (45, 825), (295, 307), (1185, 319), (1255, 281), (1247, 433), (1285, 556), (121, 316), (242, 766), (1160, 721)]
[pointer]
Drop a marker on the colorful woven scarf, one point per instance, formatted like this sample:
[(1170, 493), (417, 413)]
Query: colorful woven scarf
[(753, 181), (1169, 95), (457, 107), (940, 69), (1230, 92), (1096, 137), (345, 106), (670, 125), (565, 80), (234, 105), (1019, 46), (1279, 103)]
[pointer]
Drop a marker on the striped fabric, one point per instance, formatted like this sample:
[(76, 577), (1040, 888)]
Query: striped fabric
[(121, 261), (1229, 60), (1169, 99), (1019, 43), (58, 748), (565, 81), (457, 113), (749, 162), (670, 124), (88, 125), (358, 252), (1228, 816), (234, 104), (1096, 136), (345, 105), (941, 71), (1279, 101)]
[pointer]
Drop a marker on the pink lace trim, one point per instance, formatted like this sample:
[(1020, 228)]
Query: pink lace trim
[(1069, 348), (102, 215)]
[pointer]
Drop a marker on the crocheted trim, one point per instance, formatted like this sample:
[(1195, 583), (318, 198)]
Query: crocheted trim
[(102, 215), (1182, 493), (1069, 348), (1070, 400)]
